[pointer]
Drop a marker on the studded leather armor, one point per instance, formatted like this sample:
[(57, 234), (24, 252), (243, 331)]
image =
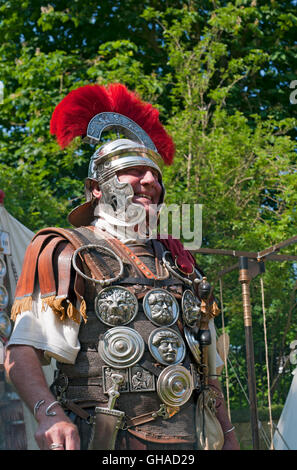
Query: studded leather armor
[(136, 328)]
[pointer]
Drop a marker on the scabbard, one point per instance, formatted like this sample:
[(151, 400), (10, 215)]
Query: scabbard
[(105, 428)]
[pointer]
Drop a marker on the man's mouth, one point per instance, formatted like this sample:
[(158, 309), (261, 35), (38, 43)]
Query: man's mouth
[(143, 195)]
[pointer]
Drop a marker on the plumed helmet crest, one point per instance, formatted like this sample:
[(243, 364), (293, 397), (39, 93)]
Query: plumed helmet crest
[(73, 114)]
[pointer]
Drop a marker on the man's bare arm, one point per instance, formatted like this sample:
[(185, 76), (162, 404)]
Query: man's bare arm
[(23, 368)]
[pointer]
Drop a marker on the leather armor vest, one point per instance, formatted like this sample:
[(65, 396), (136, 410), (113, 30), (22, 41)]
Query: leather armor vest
[(87, 379)]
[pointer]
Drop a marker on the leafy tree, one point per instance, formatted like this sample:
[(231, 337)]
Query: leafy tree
[(219, 73)]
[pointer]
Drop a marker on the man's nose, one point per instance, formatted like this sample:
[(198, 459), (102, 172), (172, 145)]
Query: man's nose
[(148, 177)]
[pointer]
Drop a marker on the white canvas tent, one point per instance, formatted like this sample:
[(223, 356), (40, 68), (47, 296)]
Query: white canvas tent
[(15, 244), (285, 437), (19, 238)]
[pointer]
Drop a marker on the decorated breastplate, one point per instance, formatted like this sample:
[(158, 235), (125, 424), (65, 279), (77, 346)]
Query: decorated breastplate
[(141, 333)]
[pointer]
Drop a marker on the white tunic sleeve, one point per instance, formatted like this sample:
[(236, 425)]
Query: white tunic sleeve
[(42, 329)]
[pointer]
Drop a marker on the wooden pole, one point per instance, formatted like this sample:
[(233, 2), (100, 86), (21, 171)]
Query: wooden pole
[(244, 279)]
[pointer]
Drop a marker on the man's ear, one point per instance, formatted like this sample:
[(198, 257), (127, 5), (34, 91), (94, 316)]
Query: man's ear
[(96, 191)]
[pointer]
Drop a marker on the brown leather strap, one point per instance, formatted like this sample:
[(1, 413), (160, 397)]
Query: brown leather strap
[(141, 419), (91, 263), (162, 273), (150, 416), (46, 273), (148, 365), (160, 440), (77, 241), (79, 285), (25, 285), (141, 251), (63, 260), (70, 405), (126, 254), (142, 267)]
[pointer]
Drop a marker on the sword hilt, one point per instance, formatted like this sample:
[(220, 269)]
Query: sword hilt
[(113, 392)]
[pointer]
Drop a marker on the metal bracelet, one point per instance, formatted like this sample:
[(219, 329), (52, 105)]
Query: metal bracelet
[(229, 430), (102, 282), (51, 413), (37, 406)]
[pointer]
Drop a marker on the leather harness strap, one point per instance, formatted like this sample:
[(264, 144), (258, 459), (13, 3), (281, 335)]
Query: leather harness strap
[(77, 240), (63, 261), (127, 254), (25, 285), (50, 255), (136, 261), (46, 274)]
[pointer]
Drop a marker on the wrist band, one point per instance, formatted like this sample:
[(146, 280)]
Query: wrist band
[(37, 406), (51, 413), (47, 411), (229, 430)]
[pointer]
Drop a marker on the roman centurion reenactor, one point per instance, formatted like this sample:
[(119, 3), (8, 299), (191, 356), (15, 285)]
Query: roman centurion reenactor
[(127, 317)]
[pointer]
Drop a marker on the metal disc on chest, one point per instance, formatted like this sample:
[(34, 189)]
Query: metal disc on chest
[(161, 307), (5, 324), (121, 347), (3, 297), (191, 309), (193, 344), (166, 346), (3, 268), (116, 305), (175, 385)]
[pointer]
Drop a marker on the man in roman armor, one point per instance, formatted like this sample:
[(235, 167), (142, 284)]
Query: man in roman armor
[(80, 300)]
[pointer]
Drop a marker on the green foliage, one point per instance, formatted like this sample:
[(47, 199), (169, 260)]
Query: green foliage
[(219, 73)]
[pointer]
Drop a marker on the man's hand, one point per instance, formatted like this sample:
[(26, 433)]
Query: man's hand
[(22, 365), (230, 440), (58, 430)]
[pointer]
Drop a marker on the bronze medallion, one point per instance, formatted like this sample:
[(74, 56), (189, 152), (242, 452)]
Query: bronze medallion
[(193, 344), (2, 267), (175, 385), (161, 307), (191, 310), (166, 346), (3, 297), (121, 347), (5, 325), (116, 305)]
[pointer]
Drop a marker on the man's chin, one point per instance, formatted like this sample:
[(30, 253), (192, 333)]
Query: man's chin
[(150, 207)]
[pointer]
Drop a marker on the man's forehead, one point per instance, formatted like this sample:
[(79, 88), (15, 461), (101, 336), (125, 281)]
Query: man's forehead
[(137, 169)]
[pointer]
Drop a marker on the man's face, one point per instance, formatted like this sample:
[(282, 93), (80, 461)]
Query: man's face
[(145, 183), (161, 308), (168, 349)]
